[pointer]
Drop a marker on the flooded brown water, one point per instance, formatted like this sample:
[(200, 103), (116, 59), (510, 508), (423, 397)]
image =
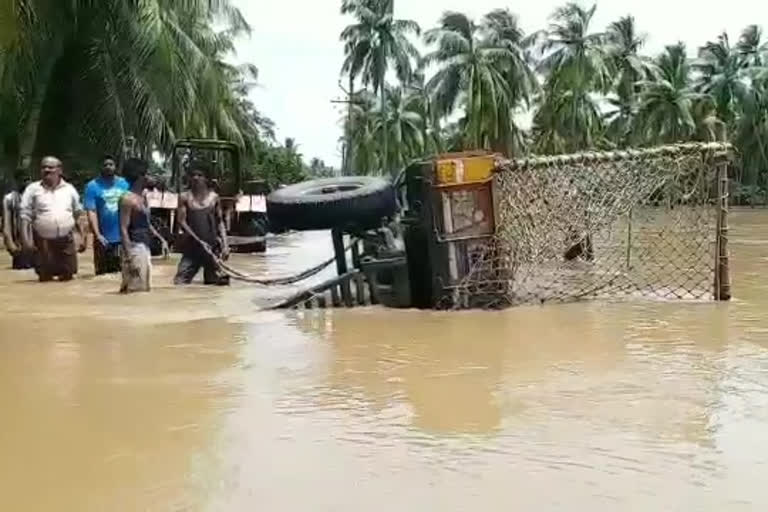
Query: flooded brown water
[(192, 399)]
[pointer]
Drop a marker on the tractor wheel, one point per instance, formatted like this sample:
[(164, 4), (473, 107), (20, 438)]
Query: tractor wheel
[(345, 202)]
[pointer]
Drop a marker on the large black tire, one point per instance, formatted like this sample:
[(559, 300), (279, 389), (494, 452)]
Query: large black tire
[(344, 202)]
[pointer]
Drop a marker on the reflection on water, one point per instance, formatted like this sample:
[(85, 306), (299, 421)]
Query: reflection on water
[(193, 399)]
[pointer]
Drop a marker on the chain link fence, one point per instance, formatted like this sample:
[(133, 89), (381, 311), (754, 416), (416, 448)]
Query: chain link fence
[(647, 223)]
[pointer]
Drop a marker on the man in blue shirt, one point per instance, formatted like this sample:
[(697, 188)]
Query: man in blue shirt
[(102, 198)]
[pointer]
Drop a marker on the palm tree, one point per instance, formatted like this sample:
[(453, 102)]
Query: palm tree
[(482, 67), (421, 101), (623, 51), (366, 151), (722, 76), (503, 30), (628, 67), (152, 70), (670, 109), (572, 56), (751, 46), (452, 135), (736, 78), (375, 43), (30, 51), (751, 132), (575, 63), (403, 121), (568, 121)]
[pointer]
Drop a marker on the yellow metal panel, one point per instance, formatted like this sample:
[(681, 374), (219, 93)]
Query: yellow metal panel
[(446, 171), (478, 169), (464, 169)]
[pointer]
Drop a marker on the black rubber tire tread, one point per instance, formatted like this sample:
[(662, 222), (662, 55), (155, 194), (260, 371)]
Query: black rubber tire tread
[(255, 247), (292, 208)]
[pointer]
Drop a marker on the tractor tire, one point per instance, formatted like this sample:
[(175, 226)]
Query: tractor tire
[(347, 202)]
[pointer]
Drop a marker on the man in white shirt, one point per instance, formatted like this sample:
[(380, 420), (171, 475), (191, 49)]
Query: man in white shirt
[(51, 208)]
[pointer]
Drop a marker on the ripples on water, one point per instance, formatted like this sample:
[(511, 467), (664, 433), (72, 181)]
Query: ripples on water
[(193, 399)]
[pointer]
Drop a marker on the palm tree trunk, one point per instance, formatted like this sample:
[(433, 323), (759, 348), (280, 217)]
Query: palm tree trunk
[(473, 116), (347, 167), (28, 135), (385, 128), (470, 128), (479, 142)]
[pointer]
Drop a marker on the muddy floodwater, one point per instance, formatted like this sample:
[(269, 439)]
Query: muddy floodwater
[(194, 400)]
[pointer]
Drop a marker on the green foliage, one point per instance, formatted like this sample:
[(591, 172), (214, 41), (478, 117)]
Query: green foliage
[(628, 68), (282, 164), (748, 195), (375, 43), (483, 68), (406, 121), (79, 78), (583, 88), (318, 169), (83, 77), (277, 164), (575, 62), (669, 103)]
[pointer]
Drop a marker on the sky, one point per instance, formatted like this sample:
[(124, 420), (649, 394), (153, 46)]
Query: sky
[(295, 44)]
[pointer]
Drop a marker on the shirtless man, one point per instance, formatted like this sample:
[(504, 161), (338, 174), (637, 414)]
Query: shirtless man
[(136, 230), (200, 218)]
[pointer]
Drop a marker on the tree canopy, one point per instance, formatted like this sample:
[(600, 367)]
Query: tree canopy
[(571, 86), (80, 78)]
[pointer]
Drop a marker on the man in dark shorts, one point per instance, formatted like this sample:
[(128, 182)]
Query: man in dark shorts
[(102, 196), (21, 259), (200, 218), (50, 209)]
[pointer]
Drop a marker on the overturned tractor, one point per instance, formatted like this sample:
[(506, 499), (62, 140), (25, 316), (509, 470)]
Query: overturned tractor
[(474, 230)]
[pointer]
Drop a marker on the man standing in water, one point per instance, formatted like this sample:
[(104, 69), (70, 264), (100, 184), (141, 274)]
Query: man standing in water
[(22, 259), (102, 195), (136, 230), (49, 215), (200, 217)]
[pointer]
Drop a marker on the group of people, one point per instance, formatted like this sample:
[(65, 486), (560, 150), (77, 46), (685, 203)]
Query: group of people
[(41, 219)]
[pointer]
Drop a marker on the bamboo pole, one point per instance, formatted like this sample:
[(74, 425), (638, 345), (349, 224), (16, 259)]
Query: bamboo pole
[(610, 156), (629, 239), (318, 291), (360, 289), (722, 262)]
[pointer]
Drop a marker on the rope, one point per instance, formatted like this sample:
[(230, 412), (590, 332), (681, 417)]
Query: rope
[(277, 281), (718, 150)]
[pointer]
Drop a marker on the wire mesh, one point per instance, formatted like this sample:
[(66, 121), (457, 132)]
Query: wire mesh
[(636, 223)]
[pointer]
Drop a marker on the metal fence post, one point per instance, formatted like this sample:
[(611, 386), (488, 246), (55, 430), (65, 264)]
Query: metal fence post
[(341, 265)]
